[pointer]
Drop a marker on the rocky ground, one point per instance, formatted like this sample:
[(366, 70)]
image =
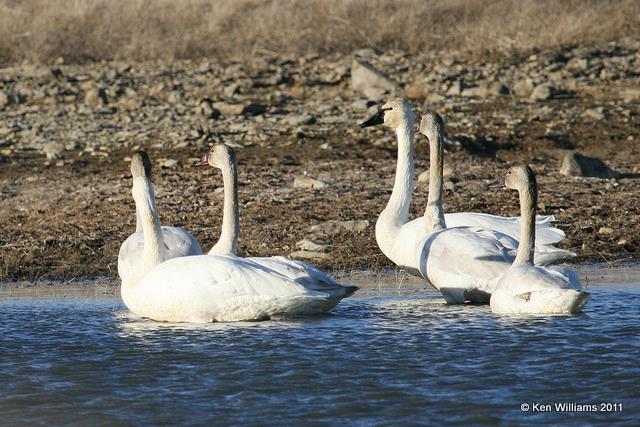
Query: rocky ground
[(311, 182)]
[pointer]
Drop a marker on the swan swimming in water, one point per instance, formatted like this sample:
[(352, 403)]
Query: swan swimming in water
[(527, 288), (223, 158), (432, 126), (176, 242), (464, 262), (208, 288)]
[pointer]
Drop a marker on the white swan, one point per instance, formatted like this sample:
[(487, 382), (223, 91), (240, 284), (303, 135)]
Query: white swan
[(397, 236), (176, 242), (209, 288), (432, 126), (525, 287), (222, 157)]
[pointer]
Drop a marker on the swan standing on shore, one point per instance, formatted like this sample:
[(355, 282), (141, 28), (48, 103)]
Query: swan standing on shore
[(526, 288), (222, 157), (173, 242)]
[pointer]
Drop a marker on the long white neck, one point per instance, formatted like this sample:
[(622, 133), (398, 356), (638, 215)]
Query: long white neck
[(153, 252), (228, 242), (138, 220), (526, 247), (397, 209), (434, 213)]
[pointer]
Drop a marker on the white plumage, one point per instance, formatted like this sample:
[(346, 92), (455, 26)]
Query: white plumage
[(221, 286), (210, 288), (527, 288), (464, 260), (175, 242)]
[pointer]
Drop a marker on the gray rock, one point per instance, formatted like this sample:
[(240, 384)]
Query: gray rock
[(231, 90), (308, 182), (95, 98), (300, 119), (476, 92), (334, 227), (456, 88), (606, 230), (4, 98), (447, 172), (169, 163), (53, 150), (542, 92), (228, 109), (369, 81), (416, 90), (630, 94), (575, 164), (310, 256), (597, 113), (523, 88), (174, 97), (312, 245), (206, 110)]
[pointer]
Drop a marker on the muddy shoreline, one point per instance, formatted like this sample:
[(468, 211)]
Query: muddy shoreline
[(65, 203)]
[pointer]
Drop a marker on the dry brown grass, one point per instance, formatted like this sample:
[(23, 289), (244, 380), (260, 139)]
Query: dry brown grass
[(86, 30)]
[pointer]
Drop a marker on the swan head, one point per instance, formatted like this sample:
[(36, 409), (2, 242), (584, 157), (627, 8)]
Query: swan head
[(431, 125), (141, 165), (520, 178), (220, 156), (392, 114)]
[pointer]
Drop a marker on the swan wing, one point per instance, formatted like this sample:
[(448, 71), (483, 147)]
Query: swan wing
[(179, 242), (546, 234), (305, 274), (466, 258), (208, 288)]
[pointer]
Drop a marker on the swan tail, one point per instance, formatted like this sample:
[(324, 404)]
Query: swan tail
[(348, 290), (547, 255), (544, 219), (562, 301), (547, 235)]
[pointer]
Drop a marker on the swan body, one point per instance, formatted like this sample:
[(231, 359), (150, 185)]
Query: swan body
[(545, 252), (530, 289), (465, 263), (176, 242), (212, 288), (423, 247), (527, 288), (221, 286)]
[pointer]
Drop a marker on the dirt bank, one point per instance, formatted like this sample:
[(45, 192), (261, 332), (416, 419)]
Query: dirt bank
[(66, 132)]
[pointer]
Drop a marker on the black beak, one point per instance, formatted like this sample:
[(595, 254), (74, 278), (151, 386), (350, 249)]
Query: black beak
[(376, 119), (497, 184)]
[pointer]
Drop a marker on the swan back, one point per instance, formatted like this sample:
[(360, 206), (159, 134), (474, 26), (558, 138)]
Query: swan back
[(210, 288)]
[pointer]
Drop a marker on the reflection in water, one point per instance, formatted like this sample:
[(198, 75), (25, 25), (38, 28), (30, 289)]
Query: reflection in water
[(382, 358)]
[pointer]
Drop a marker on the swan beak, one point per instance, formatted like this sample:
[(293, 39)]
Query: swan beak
[(416, 129), (497, 184), (204, 161), (376, 119)]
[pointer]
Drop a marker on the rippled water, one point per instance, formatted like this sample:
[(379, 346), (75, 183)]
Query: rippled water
[(384, 358)]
